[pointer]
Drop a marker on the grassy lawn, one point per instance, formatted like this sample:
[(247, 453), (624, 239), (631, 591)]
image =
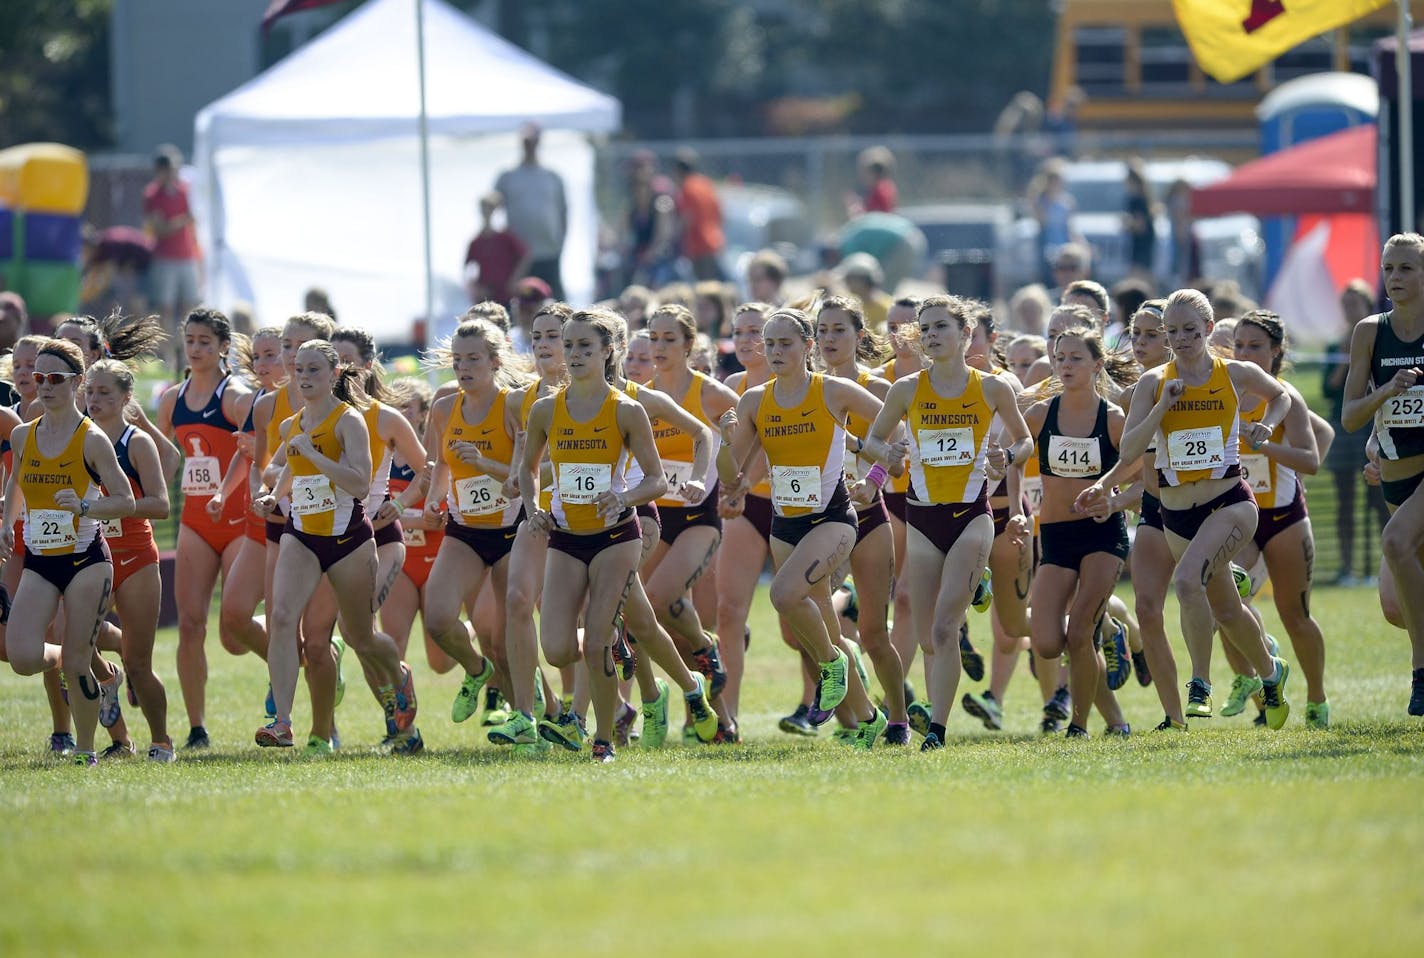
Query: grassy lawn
[(1228, 839)]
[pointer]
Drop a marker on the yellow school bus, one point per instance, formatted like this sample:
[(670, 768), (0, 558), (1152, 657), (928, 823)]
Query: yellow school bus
[(1133, 66)]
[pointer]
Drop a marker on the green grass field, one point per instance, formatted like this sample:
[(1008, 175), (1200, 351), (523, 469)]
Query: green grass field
[(1226, 840)]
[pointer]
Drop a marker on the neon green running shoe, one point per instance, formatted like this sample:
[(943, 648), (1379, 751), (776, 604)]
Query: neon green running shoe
[(340, 645), (844, 736), (1198, 699), (1274, 693), (833, 685), (1317, 715), (1243, 583), (655, 718), (1242, 688), (317, 747), (566, 732), (518, 729), (689, 735), (704, 720), (984, 592), (467, 700), (869, 732)]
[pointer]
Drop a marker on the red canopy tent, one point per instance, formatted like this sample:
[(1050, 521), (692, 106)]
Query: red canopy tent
[(1332, 174)]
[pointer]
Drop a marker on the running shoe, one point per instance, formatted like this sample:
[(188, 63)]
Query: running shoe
[(1416, 693), (518, 730), (708, 661), (118, 750), (269, 706), (1075, 731), (704, 720), (85, 759), (467, 700), (728, 736), (1198, 699), (1317, 715), (603, 753), (983, 592), (920, 717), (109, 708), (689, 735), (1140, 669), (844, 735), (1118, 731), (857, 657), (1168, 725), (405, 701), (535, 749), (932, 743), (869, 731), (897, 733), (566, 731), (798, 723), (852, 607), (339, 644), (1050, 725), (655, 718), (198, 737), (623, 723), (1243, 581), (833, 685), (1119, 662), (162, 753), (623, 655), (61, 744), (969, 657), (317, 747), (1060, 706), (497, 708), (1277, 706), (409, 743), (985, 708), (1242, 688), (275, 734)]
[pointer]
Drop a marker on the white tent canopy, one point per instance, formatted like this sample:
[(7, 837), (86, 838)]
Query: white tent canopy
[(309, 174)]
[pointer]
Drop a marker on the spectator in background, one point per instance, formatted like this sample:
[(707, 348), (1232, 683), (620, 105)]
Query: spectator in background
[(530, 295), (1085, 292), (116, 265), (875, 167), (498, 256), (536, 210), (1184, 259), (167, 217), (701, 214), (652, 223), (316, 300), (1347, 454), (1016, 138), (1127, 298), (1140, 218), (1228, 301), (766, 272), (862, 276), (636, 303), (714, 310), (14, 320), (1071, 263), (242, 315), (1060, 123), (1029, 308), (1052, 205)]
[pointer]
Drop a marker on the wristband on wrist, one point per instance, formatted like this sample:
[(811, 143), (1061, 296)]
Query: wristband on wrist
[(1009, 454), (877, 475)]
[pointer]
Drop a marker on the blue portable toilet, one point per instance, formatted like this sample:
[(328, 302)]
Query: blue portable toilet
[(1304, 109)]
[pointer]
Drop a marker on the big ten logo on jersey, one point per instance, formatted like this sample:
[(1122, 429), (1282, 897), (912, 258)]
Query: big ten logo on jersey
[(773, 417), (929, 405), (566, 432)]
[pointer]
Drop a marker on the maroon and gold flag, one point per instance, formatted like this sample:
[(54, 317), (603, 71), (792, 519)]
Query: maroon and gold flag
[(280, 8), (1231, 38)]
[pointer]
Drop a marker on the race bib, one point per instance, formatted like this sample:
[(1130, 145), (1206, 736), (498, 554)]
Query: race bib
[(479, 496), (1195, 449), (312, 495), (413, 527), (52, 529), (1032, 487), (202, 476), (676, 473), (412, 537), (113, 528), (1405, 411), (1257, 469), (796, 486), (946, 447), (580, 482), (1077, 456)]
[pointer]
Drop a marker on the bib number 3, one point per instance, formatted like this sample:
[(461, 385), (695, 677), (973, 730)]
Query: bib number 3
[(312, 495)]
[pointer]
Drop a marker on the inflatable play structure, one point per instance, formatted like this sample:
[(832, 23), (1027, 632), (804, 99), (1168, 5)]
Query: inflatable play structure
[(43, 189)]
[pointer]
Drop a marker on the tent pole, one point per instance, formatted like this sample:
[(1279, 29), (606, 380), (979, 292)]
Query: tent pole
[(424, 171), (1403, 69)]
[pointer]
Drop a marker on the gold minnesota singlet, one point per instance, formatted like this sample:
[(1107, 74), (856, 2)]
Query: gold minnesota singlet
[(318, 507), (1198, 437), (1273, 484), (50, 530), (675, 447), (588, 459), (476, 498), (949, 439), (763, 487), (805, 446)]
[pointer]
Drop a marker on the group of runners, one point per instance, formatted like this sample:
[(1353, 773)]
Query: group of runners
[(607, 504)]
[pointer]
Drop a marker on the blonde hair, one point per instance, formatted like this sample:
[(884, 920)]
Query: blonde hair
[(509, 373)]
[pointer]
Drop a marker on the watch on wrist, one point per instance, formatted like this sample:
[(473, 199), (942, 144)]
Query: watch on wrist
[(83, 507)]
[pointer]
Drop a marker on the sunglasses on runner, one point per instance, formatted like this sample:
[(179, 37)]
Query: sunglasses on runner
[(54, 379)]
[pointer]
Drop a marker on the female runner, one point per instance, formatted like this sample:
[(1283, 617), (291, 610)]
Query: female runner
[(1191, 406), (137, 587), (1283, 534), (1077, 434), (61, 459), (326, 476), (949, 408), (203, 416), (843, 340), (796, 420)]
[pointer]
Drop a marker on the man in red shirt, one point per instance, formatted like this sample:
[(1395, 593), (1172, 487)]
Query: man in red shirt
[(500, 258), (173, 274), (876, 166), (701, 215)]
